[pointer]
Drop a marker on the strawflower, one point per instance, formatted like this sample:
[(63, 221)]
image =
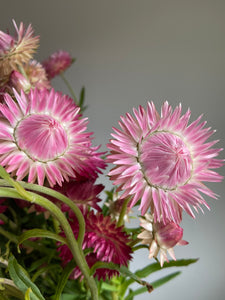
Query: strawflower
[(160, 237), (43, 136), (84, 193), (15, 50), (163, 161), (109, 243), (57, 63)]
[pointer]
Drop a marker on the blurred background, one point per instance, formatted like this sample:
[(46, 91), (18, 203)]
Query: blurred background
[(129, 52)]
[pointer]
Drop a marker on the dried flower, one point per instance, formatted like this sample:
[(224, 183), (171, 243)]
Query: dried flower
[(162, 161), (16, 50)]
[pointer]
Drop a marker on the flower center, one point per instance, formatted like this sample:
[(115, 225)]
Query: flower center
[(41, 137), (166, 160)]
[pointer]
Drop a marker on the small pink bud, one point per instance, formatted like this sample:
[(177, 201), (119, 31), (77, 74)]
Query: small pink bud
[(168, 235)]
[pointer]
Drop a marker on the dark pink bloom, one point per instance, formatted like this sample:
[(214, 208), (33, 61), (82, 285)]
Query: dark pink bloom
[(83, 193), (109, 243), (57, 63)]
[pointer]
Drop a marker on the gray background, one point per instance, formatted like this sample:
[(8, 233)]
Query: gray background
[(129, 52)]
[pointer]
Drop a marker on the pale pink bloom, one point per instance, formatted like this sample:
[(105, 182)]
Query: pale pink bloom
[(36, 75), (19, 82), (57, 63), (160, 237), (43, 136), (18, 49), (163, 161)]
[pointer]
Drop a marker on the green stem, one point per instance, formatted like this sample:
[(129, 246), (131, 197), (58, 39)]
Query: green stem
[(56, 212), (69, 87), (123, 212), (60, 197), (10, 236)]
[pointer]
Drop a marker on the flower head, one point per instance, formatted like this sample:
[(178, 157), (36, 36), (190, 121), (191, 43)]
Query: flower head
[(160, 237), (18, 49), (57, 63), (43, 136), (82, 192), (36, 75), (109, 243), (163, 161)]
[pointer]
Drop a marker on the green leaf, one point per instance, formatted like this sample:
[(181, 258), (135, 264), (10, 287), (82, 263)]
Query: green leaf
[(40, 233), (109, 287), (63, 279), (82, 97), (22, 281), (156, 266), (155, 284), (8, 288)]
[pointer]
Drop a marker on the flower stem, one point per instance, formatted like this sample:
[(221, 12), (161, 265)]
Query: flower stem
[(56, 212), (69, 87), (123, 212), (60, 197)]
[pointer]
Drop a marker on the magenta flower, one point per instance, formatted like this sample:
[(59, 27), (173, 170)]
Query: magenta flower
[(43, 136), (160, 237), (57, 63), (163, 161), (84, 193), (109, 243)]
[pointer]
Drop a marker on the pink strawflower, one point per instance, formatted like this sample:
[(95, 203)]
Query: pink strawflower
[(84, 193), (163, 161), (19, 82), (109, 243), (160, 237), (36, 74), (16, 50), (57, 63), (43, 136)]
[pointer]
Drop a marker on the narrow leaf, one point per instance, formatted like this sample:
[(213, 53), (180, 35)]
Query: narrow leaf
[(22, 281), (155, 284), (41, 233), (63, 280), (156, 266)]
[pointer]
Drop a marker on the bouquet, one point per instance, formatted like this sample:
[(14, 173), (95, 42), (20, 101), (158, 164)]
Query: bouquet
[(59, 239)]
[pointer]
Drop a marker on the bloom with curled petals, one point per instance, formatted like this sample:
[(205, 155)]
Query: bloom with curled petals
[(16, 50), (109, 244), (160, 237), (57, 63), (43, 136), (163, 161)]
